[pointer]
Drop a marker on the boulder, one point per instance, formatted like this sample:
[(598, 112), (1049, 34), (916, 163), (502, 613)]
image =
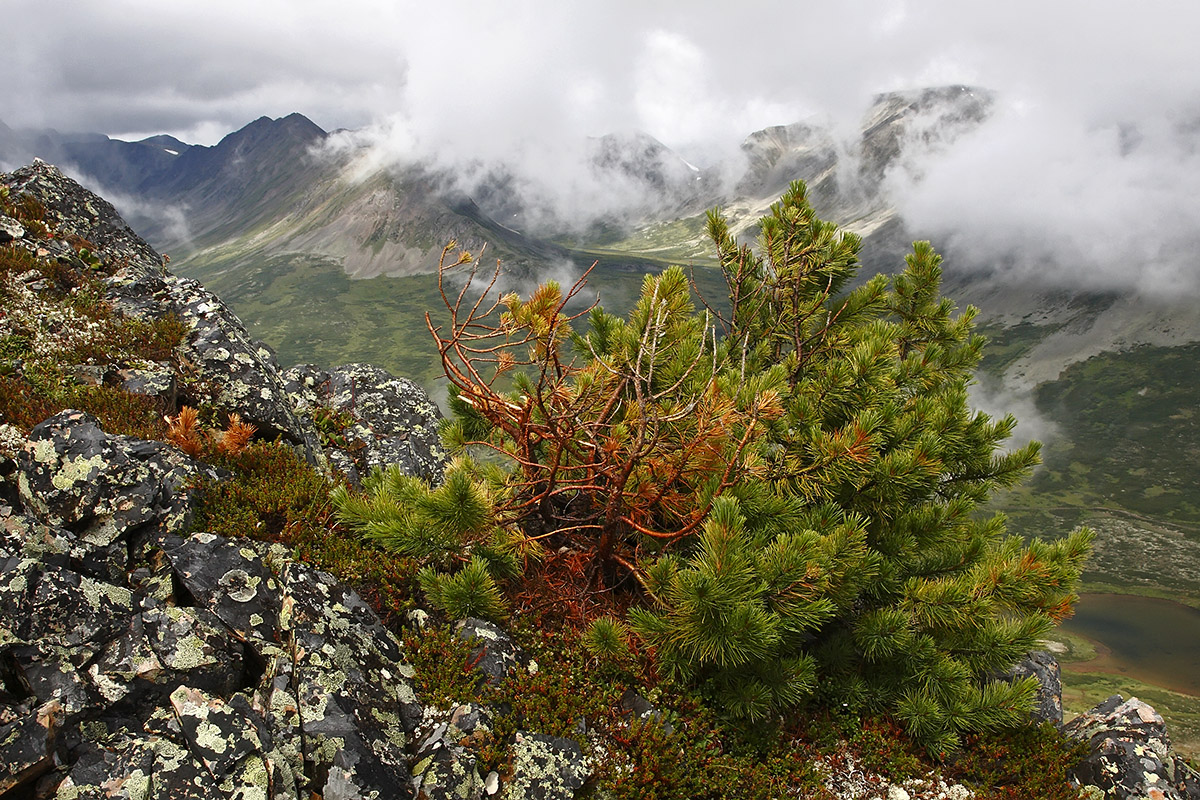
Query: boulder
[(369, 418), (10, 230), (545, 768), (1130, 754), (99, 491), (179, 666), (493, 652), (1039, 664), (70, 209), (233, 371)]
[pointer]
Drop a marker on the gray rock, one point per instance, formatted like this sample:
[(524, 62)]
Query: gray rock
[(72, 209), (1130, 753), (337, 635), (391, 420), (27, 746), (493, 651), (221, 735), (469, 719), (448, 773), (10, 229), (156, 381), (545, 768), (230, 579), (240, 373), (103, 489), (1044, 667)]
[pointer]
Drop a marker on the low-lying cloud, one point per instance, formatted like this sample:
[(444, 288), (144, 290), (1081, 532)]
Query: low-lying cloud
[(1051, 196), (1087, 170)]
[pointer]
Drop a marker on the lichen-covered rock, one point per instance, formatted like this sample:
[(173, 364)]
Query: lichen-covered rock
[(64, 607), (448, 773), (221, 734), (220, 353), (355, 697), (469, 722), (1130, 753), (1044, 667), (153, 381), (389, 420), (10, 230), (72, 209), (230, 579), (493, 652), (27, 746), (103, 489), (165, 647), (338, 635), (545, 768)]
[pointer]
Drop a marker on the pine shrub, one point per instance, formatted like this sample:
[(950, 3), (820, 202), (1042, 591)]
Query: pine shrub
[(787, 494)]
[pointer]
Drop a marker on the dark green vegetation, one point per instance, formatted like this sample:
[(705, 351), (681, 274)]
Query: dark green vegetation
[(1132, 433), (783, 501), (311, 311)]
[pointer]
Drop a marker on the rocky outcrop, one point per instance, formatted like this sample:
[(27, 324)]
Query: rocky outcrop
[(232, 371), (384, 419), (71, 209), (138, 659), (368, 418), (1130, 754), (139, 655)]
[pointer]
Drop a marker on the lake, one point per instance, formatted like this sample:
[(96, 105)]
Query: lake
[(1152, 640)]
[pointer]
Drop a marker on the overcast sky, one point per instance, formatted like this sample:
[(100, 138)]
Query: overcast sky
[(1086, 149)]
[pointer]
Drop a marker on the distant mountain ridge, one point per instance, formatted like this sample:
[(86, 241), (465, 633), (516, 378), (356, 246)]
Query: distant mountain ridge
[(285, 186), (277, 181)]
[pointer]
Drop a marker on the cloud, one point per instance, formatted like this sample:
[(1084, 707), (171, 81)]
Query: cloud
[(997, 401), (1043, 193), (1090, 163)]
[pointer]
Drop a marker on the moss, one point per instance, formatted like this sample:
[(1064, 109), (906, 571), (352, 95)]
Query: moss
[(59, 319), (1031, 761), (275, 496)]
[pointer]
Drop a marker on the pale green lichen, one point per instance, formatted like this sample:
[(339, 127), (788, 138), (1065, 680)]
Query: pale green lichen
[(390, 727), (328, 748), (188, 654), (210, 737), (108, 688), (331, 680), (92, 591), (67, 790), (19, 584), (44, 451), (93, 730), (253, 781), (77, 471), (137, 785)]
